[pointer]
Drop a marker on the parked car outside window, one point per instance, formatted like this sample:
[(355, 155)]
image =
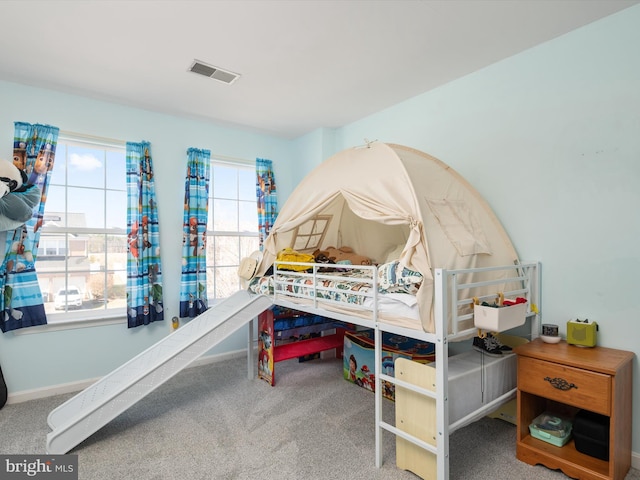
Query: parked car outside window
[(69, 296)]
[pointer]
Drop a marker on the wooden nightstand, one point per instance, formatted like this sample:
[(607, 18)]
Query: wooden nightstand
[(565, 378)]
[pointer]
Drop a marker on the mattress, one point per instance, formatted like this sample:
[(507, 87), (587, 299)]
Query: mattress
[(347, 296)]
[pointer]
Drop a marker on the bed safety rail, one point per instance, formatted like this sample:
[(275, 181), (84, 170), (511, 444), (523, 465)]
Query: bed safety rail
[(355, 286), (518, 280)]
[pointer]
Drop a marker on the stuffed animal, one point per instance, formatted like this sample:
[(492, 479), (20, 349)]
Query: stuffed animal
[(343, 255), (322, 256), (17, 197)]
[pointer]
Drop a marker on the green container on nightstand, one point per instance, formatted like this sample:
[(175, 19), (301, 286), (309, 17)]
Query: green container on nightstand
[(551, 428)]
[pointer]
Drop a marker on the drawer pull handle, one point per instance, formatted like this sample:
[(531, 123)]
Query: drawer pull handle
[(560, 383)]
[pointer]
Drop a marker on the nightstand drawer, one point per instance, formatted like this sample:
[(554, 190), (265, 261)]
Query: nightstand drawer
[(573, 386)]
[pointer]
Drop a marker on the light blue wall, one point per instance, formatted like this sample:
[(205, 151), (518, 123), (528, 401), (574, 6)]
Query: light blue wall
[(39, 360), (550, 138), (310, 150)]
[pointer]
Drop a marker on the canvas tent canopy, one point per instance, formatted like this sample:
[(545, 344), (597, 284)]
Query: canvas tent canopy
[(380, 196)]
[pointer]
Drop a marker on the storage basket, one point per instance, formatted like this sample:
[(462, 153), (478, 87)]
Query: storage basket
[(591, 433), (551, 428), (499, 319)]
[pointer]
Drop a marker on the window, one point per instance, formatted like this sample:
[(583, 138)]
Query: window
[(309, 236), (232, 226), (82, 254)]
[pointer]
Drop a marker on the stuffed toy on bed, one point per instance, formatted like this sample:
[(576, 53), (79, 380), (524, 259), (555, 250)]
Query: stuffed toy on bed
[(290, 255), (17, 197), (17, 200), (343, 255)]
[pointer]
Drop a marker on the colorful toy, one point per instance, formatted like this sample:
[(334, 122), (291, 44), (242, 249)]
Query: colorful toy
[(17, 197), (17, 201)]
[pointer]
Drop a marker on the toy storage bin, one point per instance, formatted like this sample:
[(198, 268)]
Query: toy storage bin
[(360, 369), (499, 319), (551, 428), (591, 434)]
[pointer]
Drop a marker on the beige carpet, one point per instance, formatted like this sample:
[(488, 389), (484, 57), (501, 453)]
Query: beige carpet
[(211, 422)]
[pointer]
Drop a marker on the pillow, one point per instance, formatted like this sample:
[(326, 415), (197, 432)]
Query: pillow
[(394, 277)]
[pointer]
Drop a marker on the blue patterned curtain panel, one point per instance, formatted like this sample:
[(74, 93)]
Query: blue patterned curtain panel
[(144, 276), (193, 283), (34, 148), (266, 197)]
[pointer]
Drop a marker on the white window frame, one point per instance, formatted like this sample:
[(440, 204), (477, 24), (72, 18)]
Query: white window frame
[(82, 318), (213, 234)]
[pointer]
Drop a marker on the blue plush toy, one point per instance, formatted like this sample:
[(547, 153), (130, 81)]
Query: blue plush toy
[(17, 197), (17, 201)]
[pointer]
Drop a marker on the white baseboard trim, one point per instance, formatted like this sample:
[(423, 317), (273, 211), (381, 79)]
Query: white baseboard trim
[(64, 388), (635, 460)]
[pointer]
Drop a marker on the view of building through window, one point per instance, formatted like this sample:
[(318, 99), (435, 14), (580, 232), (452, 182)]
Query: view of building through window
[(82, 254)]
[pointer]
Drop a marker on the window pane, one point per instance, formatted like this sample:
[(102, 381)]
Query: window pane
[(86, 207), (225, 182), (211, 281), (248, 214), (97, 252), (85, 167), (117, 252), (98, 287), (117, 211), (247, 184), (115, 168), (227, 281), (211, 250), (248, 245), (59, 167), (225, 215), (232, 209), (74, 294), (51, 277), (56, 206), (226, 251)]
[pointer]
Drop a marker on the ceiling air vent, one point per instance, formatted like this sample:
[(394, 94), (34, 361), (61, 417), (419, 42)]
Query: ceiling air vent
[(216, 73)]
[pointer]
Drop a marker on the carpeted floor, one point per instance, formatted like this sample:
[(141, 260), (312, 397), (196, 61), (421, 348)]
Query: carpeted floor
[(211, 422)]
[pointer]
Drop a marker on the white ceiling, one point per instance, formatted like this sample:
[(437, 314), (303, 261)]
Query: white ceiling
[(304, 64)]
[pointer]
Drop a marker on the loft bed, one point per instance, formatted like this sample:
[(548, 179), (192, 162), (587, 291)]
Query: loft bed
[(419, 448), (429, 239)]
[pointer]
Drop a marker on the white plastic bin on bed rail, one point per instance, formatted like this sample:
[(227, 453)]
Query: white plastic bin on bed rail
[(499, 319)]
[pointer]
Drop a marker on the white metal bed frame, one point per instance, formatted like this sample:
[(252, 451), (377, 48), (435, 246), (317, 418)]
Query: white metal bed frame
[(446, 305)]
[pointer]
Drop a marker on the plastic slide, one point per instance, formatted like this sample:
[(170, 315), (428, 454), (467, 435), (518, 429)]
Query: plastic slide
[(88, 411)]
